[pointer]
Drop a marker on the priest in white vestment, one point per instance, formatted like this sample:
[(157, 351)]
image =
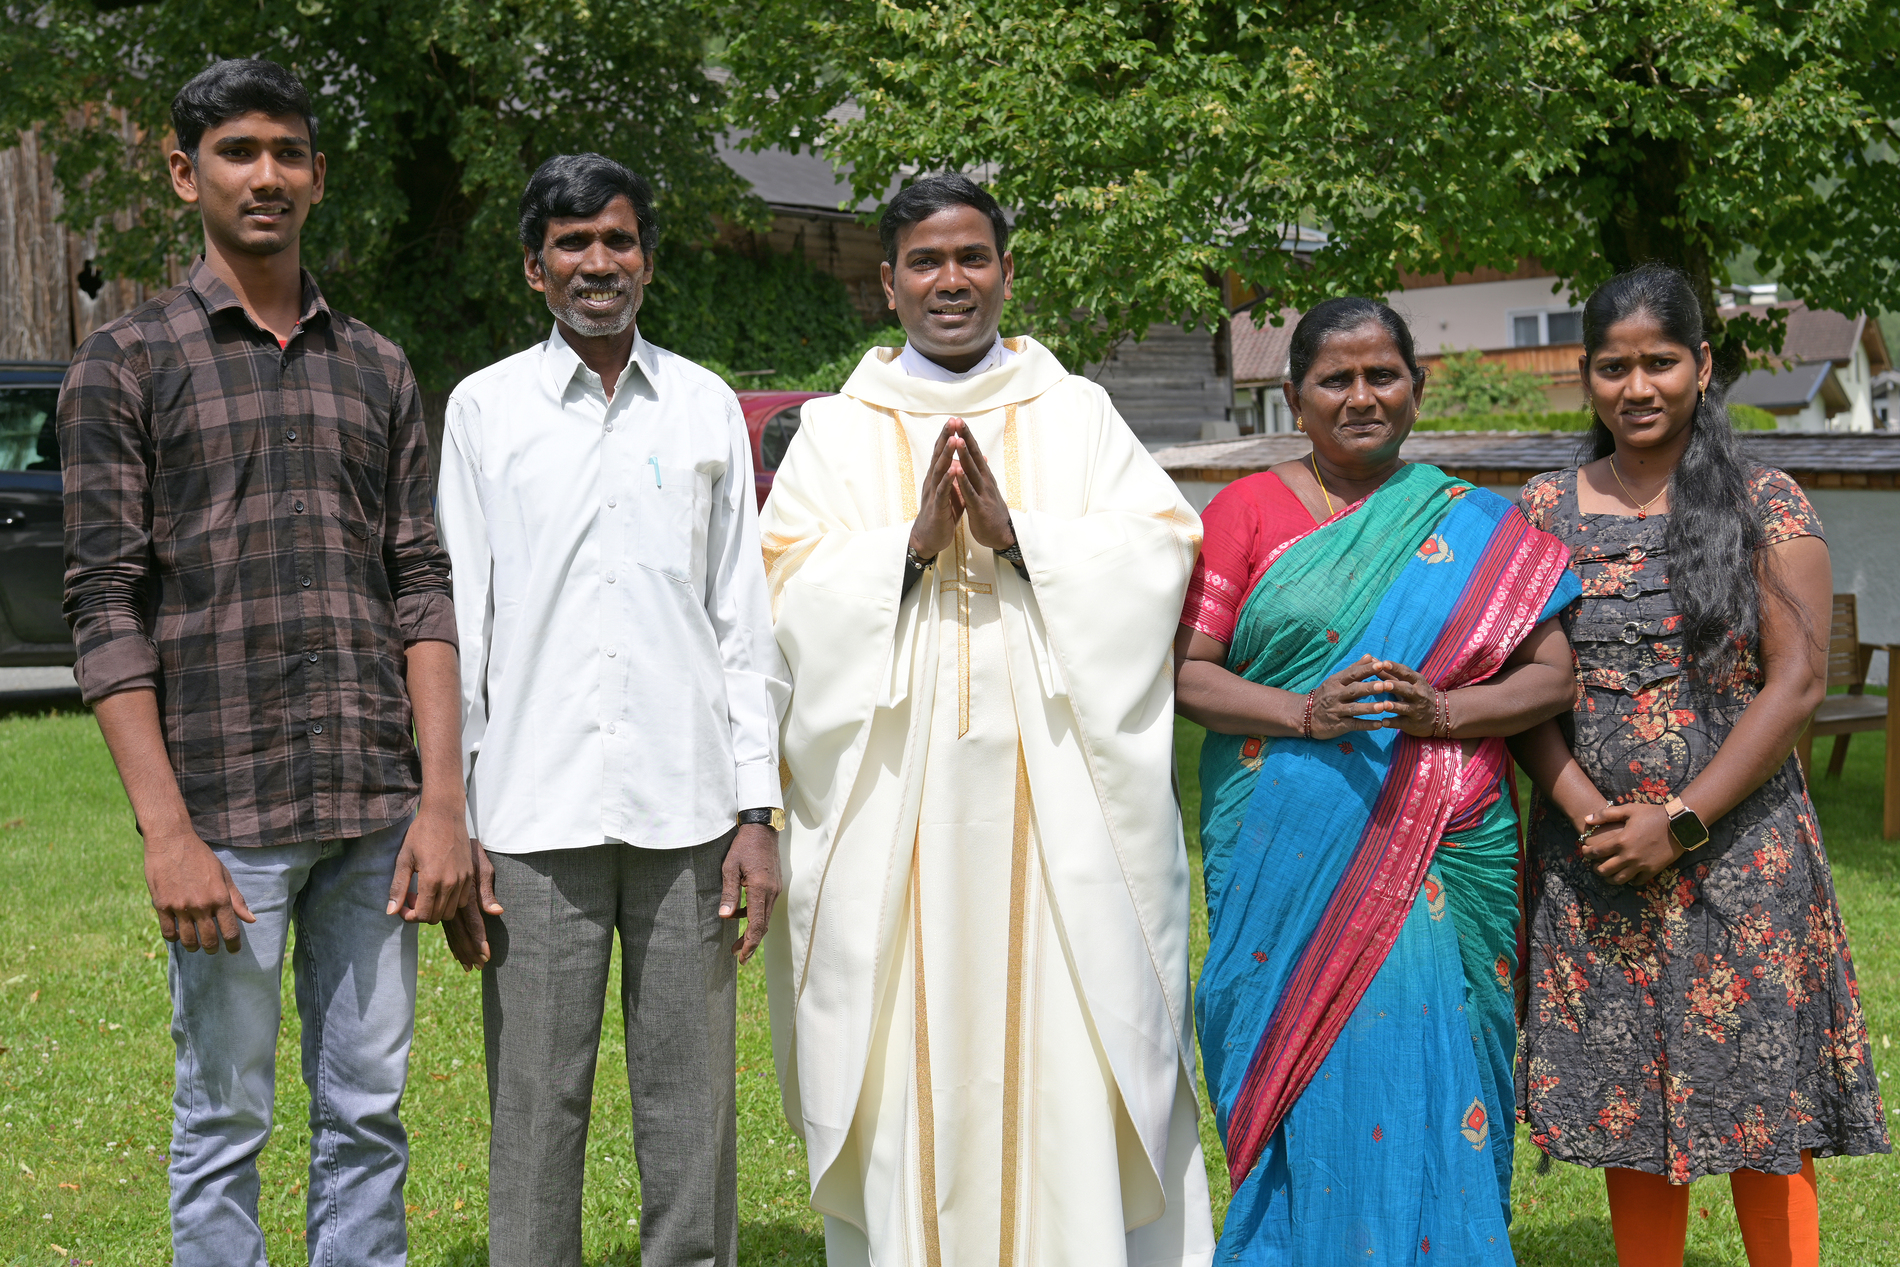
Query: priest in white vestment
[(980, 982)]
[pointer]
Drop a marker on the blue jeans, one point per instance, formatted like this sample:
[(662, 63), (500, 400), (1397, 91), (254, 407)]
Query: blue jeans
[(356, 994)]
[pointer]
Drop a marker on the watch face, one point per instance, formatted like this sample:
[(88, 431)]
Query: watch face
[(1688, 830)]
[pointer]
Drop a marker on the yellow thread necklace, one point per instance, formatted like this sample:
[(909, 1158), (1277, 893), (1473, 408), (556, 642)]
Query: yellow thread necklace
[(1322, 484)]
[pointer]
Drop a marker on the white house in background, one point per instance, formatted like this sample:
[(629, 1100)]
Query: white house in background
[(1826, 380)]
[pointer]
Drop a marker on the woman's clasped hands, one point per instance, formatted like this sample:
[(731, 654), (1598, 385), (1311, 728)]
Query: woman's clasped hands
[(1374, 694)]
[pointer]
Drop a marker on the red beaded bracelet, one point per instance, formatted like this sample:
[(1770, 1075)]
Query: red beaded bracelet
[(1306, 721)]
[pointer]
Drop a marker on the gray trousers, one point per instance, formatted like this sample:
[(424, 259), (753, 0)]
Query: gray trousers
[(543, 993)]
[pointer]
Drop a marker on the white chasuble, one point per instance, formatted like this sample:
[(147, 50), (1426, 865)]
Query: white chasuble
[(979, 975)]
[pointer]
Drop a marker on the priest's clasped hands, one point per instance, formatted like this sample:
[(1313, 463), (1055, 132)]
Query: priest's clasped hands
[(959, 482)]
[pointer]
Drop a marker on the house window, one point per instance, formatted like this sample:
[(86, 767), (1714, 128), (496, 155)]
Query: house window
[(1537, 329)]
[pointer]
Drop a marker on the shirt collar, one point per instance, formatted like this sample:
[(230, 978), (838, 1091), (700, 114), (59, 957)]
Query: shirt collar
[(917, 365), (218, 297), (560, 363)]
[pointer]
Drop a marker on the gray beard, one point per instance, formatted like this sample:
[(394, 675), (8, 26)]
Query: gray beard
[(592, 327)]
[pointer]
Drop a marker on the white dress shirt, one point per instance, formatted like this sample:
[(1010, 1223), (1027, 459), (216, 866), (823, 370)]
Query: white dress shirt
[(917, 365), (620, 681)]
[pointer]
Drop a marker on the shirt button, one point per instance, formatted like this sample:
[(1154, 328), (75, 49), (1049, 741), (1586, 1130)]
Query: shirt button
[(316, 728), (304, 581), (311, 656), (291, 434), (298, 507), (610, 578), (611, 653), (611, 503), (610, 426), (610, 728)]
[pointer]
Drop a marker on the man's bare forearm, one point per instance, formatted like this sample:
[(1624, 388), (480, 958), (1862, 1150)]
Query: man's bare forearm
[(435, 697), (129, 722)]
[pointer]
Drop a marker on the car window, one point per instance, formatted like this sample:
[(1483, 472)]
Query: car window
[(29, 440), (777, 437)]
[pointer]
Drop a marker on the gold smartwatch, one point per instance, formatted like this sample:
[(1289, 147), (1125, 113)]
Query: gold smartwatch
[(1685, 827)]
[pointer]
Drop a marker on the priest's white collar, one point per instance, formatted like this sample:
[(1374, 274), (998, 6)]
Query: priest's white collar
[(917, 365), (882, 381)]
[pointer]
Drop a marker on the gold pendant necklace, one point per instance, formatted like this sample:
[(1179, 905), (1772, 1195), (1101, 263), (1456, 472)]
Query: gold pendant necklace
[(1322, 484), (1642, 510)]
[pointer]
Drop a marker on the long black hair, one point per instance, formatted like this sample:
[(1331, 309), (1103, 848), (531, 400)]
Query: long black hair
[(1336, 316), (1713, 535)]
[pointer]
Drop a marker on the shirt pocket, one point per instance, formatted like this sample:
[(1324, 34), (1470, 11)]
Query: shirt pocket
[(669, 516)]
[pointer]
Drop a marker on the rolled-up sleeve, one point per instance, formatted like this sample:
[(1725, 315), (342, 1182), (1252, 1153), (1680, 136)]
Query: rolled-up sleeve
[(758, 685), (417, 564), (105, 471)]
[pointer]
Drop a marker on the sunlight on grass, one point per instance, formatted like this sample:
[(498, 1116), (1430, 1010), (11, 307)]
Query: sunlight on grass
[(86, 1059)]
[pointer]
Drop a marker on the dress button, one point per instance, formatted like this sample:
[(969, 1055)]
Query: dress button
[(1632, 590), (304, 581), (291, 434), (316, 728), (1636, 554), (610, 578), (1632, 633), (298, 507)]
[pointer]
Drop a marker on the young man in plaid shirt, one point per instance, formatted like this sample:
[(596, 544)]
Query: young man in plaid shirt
[(265, 632)]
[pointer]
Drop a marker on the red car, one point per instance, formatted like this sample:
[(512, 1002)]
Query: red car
[(771, 418)]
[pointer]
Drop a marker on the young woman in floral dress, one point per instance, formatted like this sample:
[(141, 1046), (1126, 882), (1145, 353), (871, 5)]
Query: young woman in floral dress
[(1693, 1008)]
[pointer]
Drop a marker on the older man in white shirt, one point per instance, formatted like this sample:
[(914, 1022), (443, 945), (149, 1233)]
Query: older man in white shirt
[(621, 694)]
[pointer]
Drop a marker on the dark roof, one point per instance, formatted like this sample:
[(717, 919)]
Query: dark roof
[(1791, 388), (1260, 352), (804, 181), (1820, 335), (1817, 460)]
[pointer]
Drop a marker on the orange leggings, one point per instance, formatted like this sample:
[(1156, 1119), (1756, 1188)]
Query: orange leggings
[(1780, 1217)]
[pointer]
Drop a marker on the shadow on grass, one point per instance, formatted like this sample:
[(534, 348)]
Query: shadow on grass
[(1585, 1241), (776, 1244)]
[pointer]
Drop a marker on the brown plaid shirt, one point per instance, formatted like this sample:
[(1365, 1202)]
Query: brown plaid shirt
[(248, 532)]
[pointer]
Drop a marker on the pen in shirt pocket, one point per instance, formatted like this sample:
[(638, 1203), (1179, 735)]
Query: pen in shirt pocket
[(655, 464)]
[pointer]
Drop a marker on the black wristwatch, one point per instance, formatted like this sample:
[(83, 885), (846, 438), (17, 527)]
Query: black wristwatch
[(773, 818), (1685, 826)]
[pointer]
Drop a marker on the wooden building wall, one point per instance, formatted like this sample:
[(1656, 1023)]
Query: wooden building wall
[(831, 243), (1169, 385), (44, 312)]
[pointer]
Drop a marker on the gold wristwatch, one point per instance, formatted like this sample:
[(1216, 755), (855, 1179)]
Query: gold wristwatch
[(773, 818), (1685, 827)]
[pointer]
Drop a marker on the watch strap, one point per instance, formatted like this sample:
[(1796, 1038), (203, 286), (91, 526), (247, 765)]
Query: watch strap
[(762, 817)]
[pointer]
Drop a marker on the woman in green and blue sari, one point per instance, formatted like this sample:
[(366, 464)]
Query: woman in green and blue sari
[(1360, 635)]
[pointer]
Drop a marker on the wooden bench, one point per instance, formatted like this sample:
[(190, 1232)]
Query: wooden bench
[(1844, 716)]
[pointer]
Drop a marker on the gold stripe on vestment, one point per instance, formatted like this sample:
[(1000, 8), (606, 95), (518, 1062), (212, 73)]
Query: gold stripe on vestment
[(1012, 459), (926, 1109), (1013, 1014), (961, 583)]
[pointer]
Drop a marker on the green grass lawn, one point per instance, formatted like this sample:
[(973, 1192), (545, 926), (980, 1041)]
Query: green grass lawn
[(86, 1059)]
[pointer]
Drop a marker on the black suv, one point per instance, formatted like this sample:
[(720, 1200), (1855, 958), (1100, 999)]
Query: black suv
[(32, 538)]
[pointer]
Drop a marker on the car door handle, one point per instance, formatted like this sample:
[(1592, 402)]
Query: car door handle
[(12, 518)]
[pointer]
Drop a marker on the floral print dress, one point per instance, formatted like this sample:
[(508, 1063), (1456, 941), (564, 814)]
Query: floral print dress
[(1709, 1020)]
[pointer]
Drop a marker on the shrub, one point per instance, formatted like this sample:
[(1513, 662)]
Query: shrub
[(733, 312), (1466, 383)]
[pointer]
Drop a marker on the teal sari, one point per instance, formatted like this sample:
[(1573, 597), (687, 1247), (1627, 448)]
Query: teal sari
[(1356, 1009)]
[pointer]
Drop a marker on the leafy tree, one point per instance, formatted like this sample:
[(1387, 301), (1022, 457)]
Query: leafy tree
[(1466, 383), (432, 115), (742, 314), (1151, 147)]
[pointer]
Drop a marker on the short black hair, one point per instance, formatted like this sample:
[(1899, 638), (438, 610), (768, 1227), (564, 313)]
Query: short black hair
[(924, 198), (237, 86), (581, 185), (1338, 316)]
